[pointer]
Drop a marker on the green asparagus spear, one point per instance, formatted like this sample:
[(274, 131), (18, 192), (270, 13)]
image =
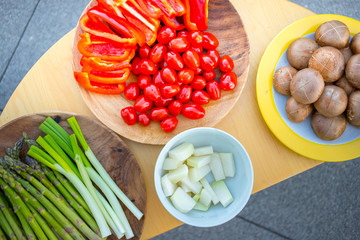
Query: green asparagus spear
[(10, 217), (6, 226), (44, 225), (26, 226), (2, 234)]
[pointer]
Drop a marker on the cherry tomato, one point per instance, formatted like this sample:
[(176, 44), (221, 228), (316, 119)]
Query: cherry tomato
[(191, 59), (185, 93), (226, 64), (135, 66), (166, 34), (183, 34), (174, 60), (193, 111), (144, 119), (201, 97), (143, 81), (179, 44), (169, 90), (152, 92), (157, 79), (198, 49), (209, 41), (209, 75), (215, 56), (196, 38), (144, 52), (163, 64), (143, 104), (206, 62), (228, 81), (198, 82), (213, 89), (186, 76), (147, 67), (198, 71), (164, 102), (175, 107), (132, 91), (168, 75), (169, 124), (159, 113), (128, 114), (157, 53)]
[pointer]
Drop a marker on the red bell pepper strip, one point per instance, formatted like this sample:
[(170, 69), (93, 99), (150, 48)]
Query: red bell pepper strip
[(101, 49), (83, 79), (172, 23), (170, 8), (104, 65), (109, 77), (150, 9), (196, 16)]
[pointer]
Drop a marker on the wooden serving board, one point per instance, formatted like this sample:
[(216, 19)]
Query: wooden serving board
[(226, 24), (111, 151)]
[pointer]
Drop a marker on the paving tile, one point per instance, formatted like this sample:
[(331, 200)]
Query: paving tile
[(232, 230), (13, 20)]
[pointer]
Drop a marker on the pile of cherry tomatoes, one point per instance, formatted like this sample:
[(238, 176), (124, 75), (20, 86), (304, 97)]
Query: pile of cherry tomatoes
[(176, 76)]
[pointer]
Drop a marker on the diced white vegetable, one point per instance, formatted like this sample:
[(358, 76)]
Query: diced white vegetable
[(195, 174), (186, 189), (182, 201), (228, 163), (201, 207), (199, 161), (196, 197), (194, 187), (182, 151), (207, 186), (222, 192), (170, 163), (216, 167), (177, 174), (205, 150), (167, 186), (205, 197)]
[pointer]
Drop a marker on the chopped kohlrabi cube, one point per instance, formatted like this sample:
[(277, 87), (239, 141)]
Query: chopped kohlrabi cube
[(196, 197), (216, 167), (207, 186), (167, 186), (205, 197), (205, 150), (199, 161), (194, 187), (222, 192), (182, 201), (170, 163), (195, 174), (182, 151), (201, 207), (177, 174), (228, 163)]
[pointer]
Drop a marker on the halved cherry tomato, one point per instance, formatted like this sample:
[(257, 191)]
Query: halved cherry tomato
[(152, 91), (191, 59), (128, 114), (159, 113), (183, 34), (157, 53), (185, 93), (226, 64), (147, 67), (201, 97), (213, 89), (166, 34), (186, 76), (168, 75), (228, 81), (144, 119), (198, 50), (209, 75), (169, 124), (198, 82), (143, 81), (206, 62), (157, 79), (143, 104), (196, 38), (209, 41), (179, 44), (164, 102), (132, 91), (175, 107), (144, 52), (193, 111), (169, 90), (174, 60), (135, 66), (215, 56)]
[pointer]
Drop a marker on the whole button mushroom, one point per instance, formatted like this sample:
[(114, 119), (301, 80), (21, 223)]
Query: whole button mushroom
[(344, 84), (355, 44), (332, 102), (329, 62), (300, 51), (297, 112), (307, 86), (353, 71), (282, 79), (347, 53), (332, 33), (353, 110), (328, 128)]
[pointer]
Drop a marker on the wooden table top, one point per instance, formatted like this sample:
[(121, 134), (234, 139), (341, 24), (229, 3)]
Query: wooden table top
[(50, 86)]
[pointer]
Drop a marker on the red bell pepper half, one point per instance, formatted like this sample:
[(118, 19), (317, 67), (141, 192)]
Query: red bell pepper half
[(196, 16), (83, 79)]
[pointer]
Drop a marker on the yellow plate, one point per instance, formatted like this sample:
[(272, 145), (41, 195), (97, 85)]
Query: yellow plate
[(297, 136)]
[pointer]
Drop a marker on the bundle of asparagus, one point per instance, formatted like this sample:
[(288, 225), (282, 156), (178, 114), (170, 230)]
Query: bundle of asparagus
[(50, 194)]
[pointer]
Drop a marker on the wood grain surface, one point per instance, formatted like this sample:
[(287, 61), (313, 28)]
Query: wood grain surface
[(225, 23), (111, 151)]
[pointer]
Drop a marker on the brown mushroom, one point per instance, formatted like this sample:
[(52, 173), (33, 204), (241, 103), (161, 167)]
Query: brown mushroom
[(307, 86), (297, 112), (332, 102), (300, 51), (353, 71), (328, 128), (332, 33), (329, 62), (282, 79), (353, 111), (355, 44), (344, 84), (347, 53)]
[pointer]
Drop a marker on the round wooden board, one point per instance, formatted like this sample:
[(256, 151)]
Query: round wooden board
[(111, 151), (226, 25)]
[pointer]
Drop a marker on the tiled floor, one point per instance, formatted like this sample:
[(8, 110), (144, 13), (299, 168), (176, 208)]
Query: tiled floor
[(322, 203)]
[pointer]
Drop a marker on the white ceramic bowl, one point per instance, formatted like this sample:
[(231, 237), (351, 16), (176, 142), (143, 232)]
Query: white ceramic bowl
[(240, 186)]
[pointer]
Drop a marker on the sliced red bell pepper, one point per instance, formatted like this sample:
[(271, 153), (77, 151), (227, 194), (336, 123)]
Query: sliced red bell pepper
[(104, 65), (109, 77), (83, 79), (102, 49), (170, 8), (150, 9), (172, 23), (196, 16)]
